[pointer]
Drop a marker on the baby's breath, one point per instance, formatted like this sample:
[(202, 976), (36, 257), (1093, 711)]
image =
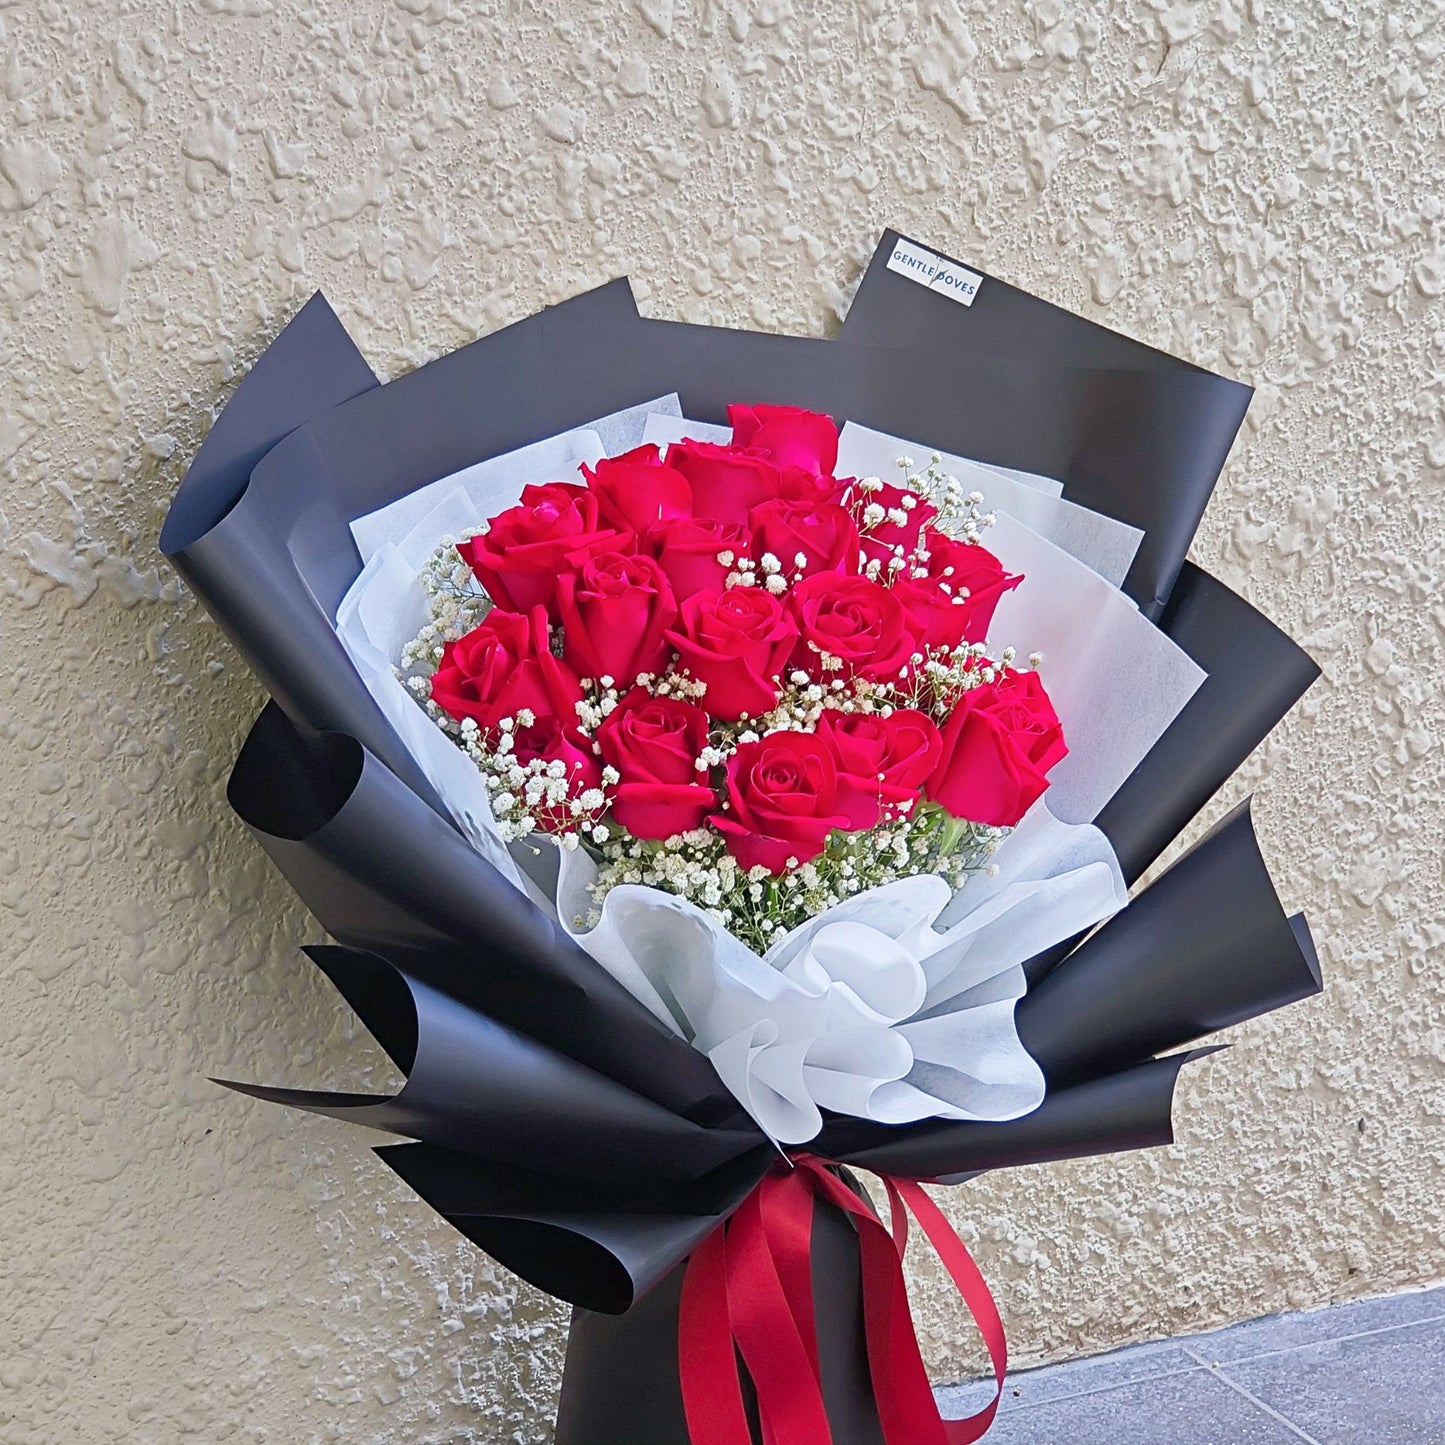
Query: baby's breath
[(455, 602), (759, 908)]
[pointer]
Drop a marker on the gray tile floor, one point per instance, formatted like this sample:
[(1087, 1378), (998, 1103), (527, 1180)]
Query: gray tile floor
[(1367, 1373)]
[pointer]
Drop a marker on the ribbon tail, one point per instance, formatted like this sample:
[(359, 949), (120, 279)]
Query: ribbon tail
[(712, 1396), (972, 1286)]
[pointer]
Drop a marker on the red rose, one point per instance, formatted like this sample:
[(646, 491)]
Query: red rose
[(502, 666), (637, 489), (552, 741), (654, 743), (688, 549), (788, 435), (971, 569), (726, 483), (615, 614), (939, 615), (552, 530), (736, 643), (823, 534), (905, 515), (782, 801), (998, 744), (858, 621), (882, 762)]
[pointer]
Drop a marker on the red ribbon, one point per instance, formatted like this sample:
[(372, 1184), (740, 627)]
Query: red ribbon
[(748, 1291)]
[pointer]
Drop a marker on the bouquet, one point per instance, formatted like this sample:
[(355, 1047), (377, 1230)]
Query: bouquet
[(707, 800)]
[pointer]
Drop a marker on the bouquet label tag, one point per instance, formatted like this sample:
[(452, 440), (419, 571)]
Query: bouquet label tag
[(956, 282)]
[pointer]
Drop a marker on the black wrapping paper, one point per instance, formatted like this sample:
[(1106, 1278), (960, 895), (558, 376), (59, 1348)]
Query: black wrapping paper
[(473, 1083), (890, 309), (269, 550), (1255, 672), (1127, 1109), (1003, 323), (598, 1246), (1207, 945), (383, 873), (1255, 675)]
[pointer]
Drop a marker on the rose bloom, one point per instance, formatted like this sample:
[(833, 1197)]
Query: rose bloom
[(736, 643), (881, 541), (858, 621), (553, 741), (822, 533), (501, 667), (787, 436), (615, 614), (654, 743), (998, 745), (637, 489), (688, 549), (726, 483), (882, 762), (552, 530), (955, 569), (782, 801)]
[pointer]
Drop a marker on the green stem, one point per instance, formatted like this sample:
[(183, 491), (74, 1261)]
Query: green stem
[(952, 830)]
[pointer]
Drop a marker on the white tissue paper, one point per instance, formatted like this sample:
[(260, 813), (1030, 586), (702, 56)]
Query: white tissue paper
[(1102, 543), (898, 1004)]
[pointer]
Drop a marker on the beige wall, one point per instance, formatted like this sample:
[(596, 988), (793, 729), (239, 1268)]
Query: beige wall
[(1254, 186)]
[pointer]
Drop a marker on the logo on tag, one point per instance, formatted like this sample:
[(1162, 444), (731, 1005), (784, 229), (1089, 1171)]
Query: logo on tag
[(954, 281)]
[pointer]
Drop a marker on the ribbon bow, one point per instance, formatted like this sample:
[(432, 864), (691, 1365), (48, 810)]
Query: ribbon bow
[(748, 1290)]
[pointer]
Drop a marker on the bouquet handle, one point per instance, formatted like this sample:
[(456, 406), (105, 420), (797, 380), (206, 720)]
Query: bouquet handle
[(804, 1286)]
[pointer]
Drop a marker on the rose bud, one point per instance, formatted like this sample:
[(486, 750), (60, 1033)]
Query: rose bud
[(882, 762), (726, 483), (859, 622), (736, 643), (787, 435), (964, 567), (552, 530), (654, 743), (501, 667), (688, 549), (882, 538), (615, 614), (998, 745), (637, 489), (822, 533), (552, 741), (782, 801)]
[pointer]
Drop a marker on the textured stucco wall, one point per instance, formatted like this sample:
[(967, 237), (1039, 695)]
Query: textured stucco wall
[(1254, 185)]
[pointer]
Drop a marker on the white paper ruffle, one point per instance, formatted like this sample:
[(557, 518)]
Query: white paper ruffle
[(877, 1007)]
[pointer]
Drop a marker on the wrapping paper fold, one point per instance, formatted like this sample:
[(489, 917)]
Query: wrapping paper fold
[(383, 873), (1206, 946), (557, 1121), (1003, 322), (473, 1083), (1254, 674), (590, 1244)]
